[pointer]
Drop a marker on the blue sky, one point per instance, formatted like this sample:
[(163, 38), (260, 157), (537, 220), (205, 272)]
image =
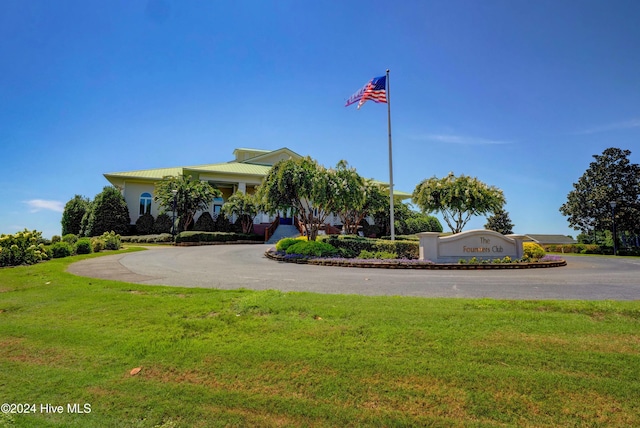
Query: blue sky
[(520, 94)]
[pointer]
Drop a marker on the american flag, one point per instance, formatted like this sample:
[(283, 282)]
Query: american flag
[(375, 91)]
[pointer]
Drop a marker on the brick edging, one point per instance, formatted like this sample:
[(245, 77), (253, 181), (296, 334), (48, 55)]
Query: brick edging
[(395, 264)]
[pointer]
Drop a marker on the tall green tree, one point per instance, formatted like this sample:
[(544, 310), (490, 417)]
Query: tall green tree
[(611, 177), (354, 197), (245, 206), (109, 212), (500, 222), (191, 196), (72, 215), (457, 199), (302, 186)]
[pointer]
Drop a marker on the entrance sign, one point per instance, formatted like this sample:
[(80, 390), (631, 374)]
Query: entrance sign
[(481, 244)]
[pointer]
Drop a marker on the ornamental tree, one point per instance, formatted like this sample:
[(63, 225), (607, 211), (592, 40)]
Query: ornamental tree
[(355, 197), (457, 198), (245, 206), (191, 196), (302, 186), (611, 177)]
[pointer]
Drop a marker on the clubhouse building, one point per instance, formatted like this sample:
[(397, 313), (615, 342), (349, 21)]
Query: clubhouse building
[(244, 174)]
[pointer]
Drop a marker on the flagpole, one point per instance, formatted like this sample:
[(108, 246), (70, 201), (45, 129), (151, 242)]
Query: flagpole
[(391, 216)]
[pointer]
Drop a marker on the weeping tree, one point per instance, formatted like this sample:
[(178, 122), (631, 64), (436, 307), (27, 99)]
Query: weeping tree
[(457, 199), (245, 206), (302, 186), (191, 196)]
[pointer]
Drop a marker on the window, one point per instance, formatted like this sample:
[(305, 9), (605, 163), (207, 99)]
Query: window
[(145, 203), (217, 205)]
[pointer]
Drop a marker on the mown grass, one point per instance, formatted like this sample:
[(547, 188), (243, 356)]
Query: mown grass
[(245, 358)]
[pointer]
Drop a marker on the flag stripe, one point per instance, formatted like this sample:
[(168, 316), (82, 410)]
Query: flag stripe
[(375, 91)]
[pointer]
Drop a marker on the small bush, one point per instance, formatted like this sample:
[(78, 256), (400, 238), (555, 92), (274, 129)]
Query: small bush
[(22, 248), (312, 249), (83, 246), (97, 244), (144, 224), (222, 224), (61, 249), (162, 224), (205, 223), (111, 240), (532, 251), (55, 238), (285, 243), (70, 239)]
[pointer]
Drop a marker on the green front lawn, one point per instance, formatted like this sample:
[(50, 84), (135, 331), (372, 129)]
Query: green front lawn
[(245, 358)]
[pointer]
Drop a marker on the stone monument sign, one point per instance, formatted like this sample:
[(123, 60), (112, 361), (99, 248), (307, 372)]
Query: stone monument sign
[(481, 244)]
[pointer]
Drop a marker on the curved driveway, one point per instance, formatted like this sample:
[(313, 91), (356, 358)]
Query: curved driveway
[(244, 266)]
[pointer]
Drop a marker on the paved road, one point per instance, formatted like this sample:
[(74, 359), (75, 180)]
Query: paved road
[(244, 266)]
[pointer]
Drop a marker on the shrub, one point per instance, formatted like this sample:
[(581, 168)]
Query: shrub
[(144, 224), (204, 223), (193, 236), (285, 243), (532, 251), (154, 238), (70, 239), (55, 238), (111, 240), (22, 248), (222, 224), (312, 248), (83, 246), (352, 246), (97, 244), (162, 224), (384, 255), (61, 249)]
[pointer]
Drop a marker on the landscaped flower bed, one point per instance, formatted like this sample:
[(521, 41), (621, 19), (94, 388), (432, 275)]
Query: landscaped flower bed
[(273, 254)]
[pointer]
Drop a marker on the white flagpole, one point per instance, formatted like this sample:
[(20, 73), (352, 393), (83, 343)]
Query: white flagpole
[(391, 219)]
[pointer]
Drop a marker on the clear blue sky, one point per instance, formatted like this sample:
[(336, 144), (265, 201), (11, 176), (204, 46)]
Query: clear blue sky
[(520, 94)]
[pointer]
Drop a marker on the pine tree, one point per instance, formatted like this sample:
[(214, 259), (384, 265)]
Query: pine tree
[(500, 222)]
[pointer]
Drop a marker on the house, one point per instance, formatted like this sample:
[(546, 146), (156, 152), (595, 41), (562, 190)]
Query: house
[(244, 174)]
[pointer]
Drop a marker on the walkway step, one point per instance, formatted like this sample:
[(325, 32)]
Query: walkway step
[(283, 231)]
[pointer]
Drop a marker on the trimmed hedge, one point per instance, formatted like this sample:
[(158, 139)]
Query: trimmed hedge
[(352, 246), (312, 249), (192, 236), (141, 239)]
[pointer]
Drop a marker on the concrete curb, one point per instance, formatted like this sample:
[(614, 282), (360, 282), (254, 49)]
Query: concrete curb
[(396, 264)]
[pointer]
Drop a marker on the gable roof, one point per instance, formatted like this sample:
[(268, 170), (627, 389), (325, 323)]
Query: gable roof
[(263, 157), (256, 162)]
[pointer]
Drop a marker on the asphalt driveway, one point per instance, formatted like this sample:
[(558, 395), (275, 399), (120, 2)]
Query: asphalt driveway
[(244, 266)]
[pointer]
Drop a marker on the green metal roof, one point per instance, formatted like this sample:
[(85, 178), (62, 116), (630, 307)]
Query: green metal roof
[(233, 168), (156, 173)]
